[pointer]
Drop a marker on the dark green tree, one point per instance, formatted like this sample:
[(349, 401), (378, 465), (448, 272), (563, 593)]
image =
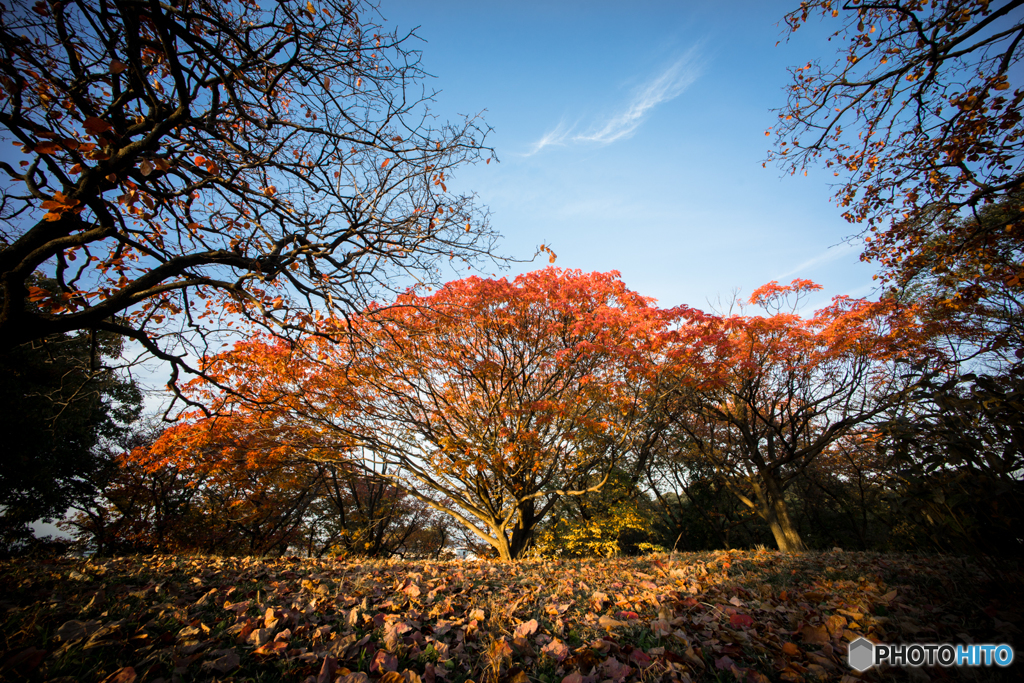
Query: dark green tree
[(65, 410)]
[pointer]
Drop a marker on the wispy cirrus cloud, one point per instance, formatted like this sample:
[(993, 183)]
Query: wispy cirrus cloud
[(665, 86), (556, 136), (831, 254)]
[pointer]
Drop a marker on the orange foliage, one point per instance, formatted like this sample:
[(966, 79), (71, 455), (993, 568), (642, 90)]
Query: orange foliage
[(763, 397), (501, 396)]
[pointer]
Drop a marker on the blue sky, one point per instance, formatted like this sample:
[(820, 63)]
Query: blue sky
[(631, 138)]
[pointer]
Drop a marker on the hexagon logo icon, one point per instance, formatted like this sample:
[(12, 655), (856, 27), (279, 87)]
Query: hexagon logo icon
[(861, 654)]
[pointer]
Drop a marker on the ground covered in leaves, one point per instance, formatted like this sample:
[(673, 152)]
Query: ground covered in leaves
[(748, 616)]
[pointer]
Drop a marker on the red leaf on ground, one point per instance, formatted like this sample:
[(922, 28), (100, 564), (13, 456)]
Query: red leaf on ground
[(741, 621)]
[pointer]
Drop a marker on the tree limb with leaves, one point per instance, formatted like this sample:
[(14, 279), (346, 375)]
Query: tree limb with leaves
[(194, 167), (920, 115)]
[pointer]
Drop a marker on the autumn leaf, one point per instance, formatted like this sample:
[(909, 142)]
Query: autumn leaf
[(327, 670), (95, 125), (271, 648), (741, 621), (123, 675), (608, 623), (526, 628), (725, 663), (383, 662), (57, 206), (227, 660), (815, 634), (556, 649), (261, 636)]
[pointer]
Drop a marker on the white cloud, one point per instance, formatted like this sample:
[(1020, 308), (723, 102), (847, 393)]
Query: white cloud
[(667, 86), (664, 87), (556, 136), (833, 253)]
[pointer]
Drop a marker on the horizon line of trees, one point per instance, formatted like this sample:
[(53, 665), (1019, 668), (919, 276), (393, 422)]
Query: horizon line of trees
[(563, 413)]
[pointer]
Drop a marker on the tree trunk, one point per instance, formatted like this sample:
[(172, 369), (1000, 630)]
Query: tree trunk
[(520, 541), (783, 529), (512, 548), (502, 546)]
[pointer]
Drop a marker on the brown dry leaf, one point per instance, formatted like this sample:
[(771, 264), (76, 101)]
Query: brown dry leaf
[(410, 676), (261, 636), (835, 624), (816, 671), (556, 649), (238, 607), (226, 661), (661, 627), (327, 670), (815, 634), (526, 628), (518, 677), (72, 630), (609, 623), (384, 662), (271, 648), (123, 675)]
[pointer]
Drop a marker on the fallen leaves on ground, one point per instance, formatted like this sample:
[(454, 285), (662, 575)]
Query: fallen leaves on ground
[(745, 616)]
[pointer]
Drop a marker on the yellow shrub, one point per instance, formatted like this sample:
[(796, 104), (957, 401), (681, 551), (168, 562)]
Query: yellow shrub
[(599, 536)]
